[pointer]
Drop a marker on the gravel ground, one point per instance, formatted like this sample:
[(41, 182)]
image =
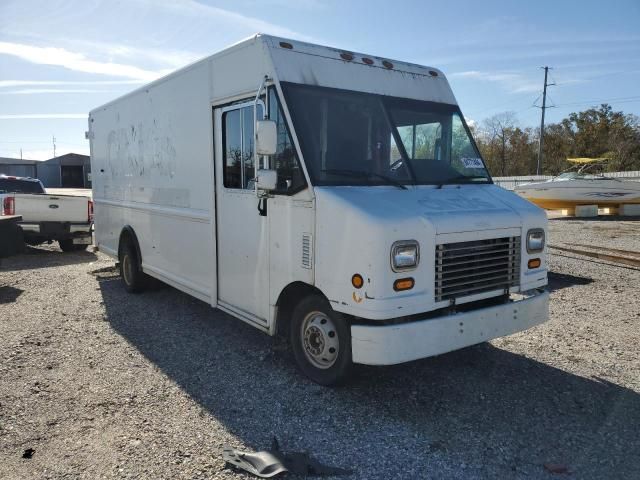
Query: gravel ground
[(102, 384)]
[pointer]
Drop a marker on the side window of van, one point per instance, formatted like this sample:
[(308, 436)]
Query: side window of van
[(285, 161), (238, 147)]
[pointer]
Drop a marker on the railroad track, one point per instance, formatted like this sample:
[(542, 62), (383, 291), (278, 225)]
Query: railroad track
[(630, 253), (630, 258)]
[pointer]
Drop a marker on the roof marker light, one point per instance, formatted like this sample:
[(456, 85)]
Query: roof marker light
[(366, 60), (286, 45), (387, 64), (346, 56), (433, 73)]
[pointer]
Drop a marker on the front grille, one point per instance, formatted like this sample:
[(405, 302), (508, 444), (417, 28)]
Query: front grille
[(469, 268)]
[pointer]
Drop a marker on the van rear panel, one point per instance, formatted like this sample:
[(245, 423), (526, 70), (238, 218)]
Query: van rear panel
[(152, 164)]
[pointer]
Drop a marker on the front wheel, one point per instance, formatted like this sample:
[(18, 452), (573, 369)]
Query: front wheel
[(321, 341)]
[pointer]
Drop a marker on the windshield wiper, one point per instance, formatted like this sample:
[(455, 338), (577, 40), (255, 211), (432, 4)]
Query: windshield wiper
[(363, 174)]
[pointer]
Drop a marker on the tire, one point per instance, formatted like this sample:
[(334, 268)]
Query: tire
[(133, 278), (321, 341), (67, 245)]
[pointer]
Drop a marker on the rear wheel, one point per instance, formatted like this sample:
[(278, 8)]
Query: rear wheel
[(134, 279), (67, 245), (321, 341)]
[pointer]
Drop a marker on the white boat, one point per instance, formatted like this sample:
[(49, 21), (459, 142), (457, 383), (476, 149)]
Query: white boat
[(570, 189)]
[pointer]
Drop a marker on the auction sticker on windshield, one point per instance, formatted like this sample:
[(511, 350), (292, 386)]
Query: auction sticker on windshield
[(472, 163)]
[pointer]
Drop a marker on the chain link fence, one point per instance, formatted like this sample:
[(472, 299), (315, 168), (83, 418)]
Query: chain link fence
[(512, 182)]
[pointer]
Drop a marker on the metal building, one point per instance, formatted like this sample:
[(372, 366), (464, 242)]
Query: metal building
[(71, 170), (18, 167)]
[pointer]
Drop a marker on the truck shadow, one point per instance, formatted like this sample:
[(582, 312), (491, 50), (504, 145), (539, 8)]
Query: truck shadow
[(45, 256), (483, 409), (558, 281)]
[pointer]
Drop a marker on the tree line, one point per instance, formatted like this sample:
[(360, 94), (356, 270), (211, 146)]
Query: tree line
[(510, 150)]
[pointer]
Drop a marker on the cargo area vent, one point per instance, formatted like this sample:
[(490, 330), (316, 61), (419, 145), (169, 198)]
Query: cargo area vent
[(307, 250), (469, 268)]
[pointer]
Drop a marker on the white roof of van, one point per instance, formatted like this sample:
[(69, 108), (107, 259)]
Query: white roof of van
[(306, 63)]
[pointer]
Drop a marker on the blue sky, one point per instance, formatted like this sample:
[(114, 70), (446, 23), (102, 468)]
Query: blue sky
[(59, 59)]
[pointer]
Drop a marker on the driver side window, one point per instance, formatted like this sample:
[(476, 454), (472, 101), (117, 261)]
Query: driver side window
[(238, 147)]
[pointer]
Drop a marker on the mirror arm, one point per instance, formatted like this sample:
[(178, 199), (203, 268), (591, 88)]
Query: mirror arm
[(255, 131)]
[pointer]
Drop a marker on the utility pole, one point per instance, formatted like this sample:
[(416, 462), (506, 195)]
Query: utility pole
[(544, 107), (54, 146)]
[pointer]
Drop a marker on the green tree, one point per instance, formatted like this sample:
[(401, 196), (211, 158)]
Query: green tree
[(602, 132), (595, 132)]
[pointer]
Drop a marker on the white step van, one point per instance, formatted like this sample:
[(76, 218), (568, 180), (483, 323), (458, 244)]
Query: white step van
[(335, 197)]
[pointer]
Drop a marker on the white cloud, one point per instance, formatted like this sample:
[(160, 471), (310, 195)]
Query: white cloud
[(167, 57), (198, 10), (143, 56), (75, 61), (304, 4), (40, 116), (30, 83), (36, 91), (514, 82)]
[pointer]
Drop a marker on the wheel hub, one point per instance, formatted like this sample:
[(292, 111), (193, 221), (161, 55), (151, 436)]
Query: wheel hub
[(320, 340), (126, 269)]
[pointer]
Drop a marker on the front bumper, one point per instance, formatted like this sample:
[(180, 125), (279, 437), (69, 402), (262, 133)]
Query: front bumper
[(392, 344), (58, 229)]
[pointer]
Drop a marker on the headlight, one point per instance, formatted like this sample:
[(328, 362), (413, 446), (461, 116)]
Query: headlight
[(535, 240), (405, 255)]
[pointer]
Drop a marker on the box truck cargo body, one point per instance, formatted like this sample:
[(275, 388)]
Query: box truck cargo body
[(335, 197)]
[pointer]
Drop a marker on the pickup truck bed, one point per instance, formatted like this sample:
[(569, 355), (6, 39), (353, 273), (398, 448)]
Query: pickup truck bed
[(67, 219)]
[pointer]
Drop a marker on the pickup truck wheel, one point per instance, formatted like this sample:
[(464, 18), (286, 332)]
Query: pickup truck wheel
[(134, 279), (67, 245), (321, 341)]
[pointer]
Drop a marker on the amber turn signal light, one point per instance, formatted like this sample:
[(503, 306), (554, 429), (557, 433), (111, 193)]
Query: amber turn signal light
[(357, 280), (534, 263), (403, 284)]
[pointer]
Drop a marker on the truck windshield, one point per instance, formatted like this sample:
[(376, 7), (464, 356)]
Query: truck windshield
[(15, 185), (353, 138)]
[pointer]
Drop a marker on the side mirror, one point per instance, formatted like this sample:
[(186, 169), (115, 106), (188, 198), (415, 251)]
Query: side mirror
[(266, 137), (267, 180)]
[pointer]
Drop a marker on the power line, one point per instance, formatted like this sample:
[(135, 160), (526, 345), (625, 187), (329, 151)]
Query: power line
[(617, 100), (625, 101)]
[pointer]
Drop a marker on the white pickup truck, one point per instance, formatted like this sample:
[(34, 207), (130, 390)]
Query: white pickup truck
[(66, 219)]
